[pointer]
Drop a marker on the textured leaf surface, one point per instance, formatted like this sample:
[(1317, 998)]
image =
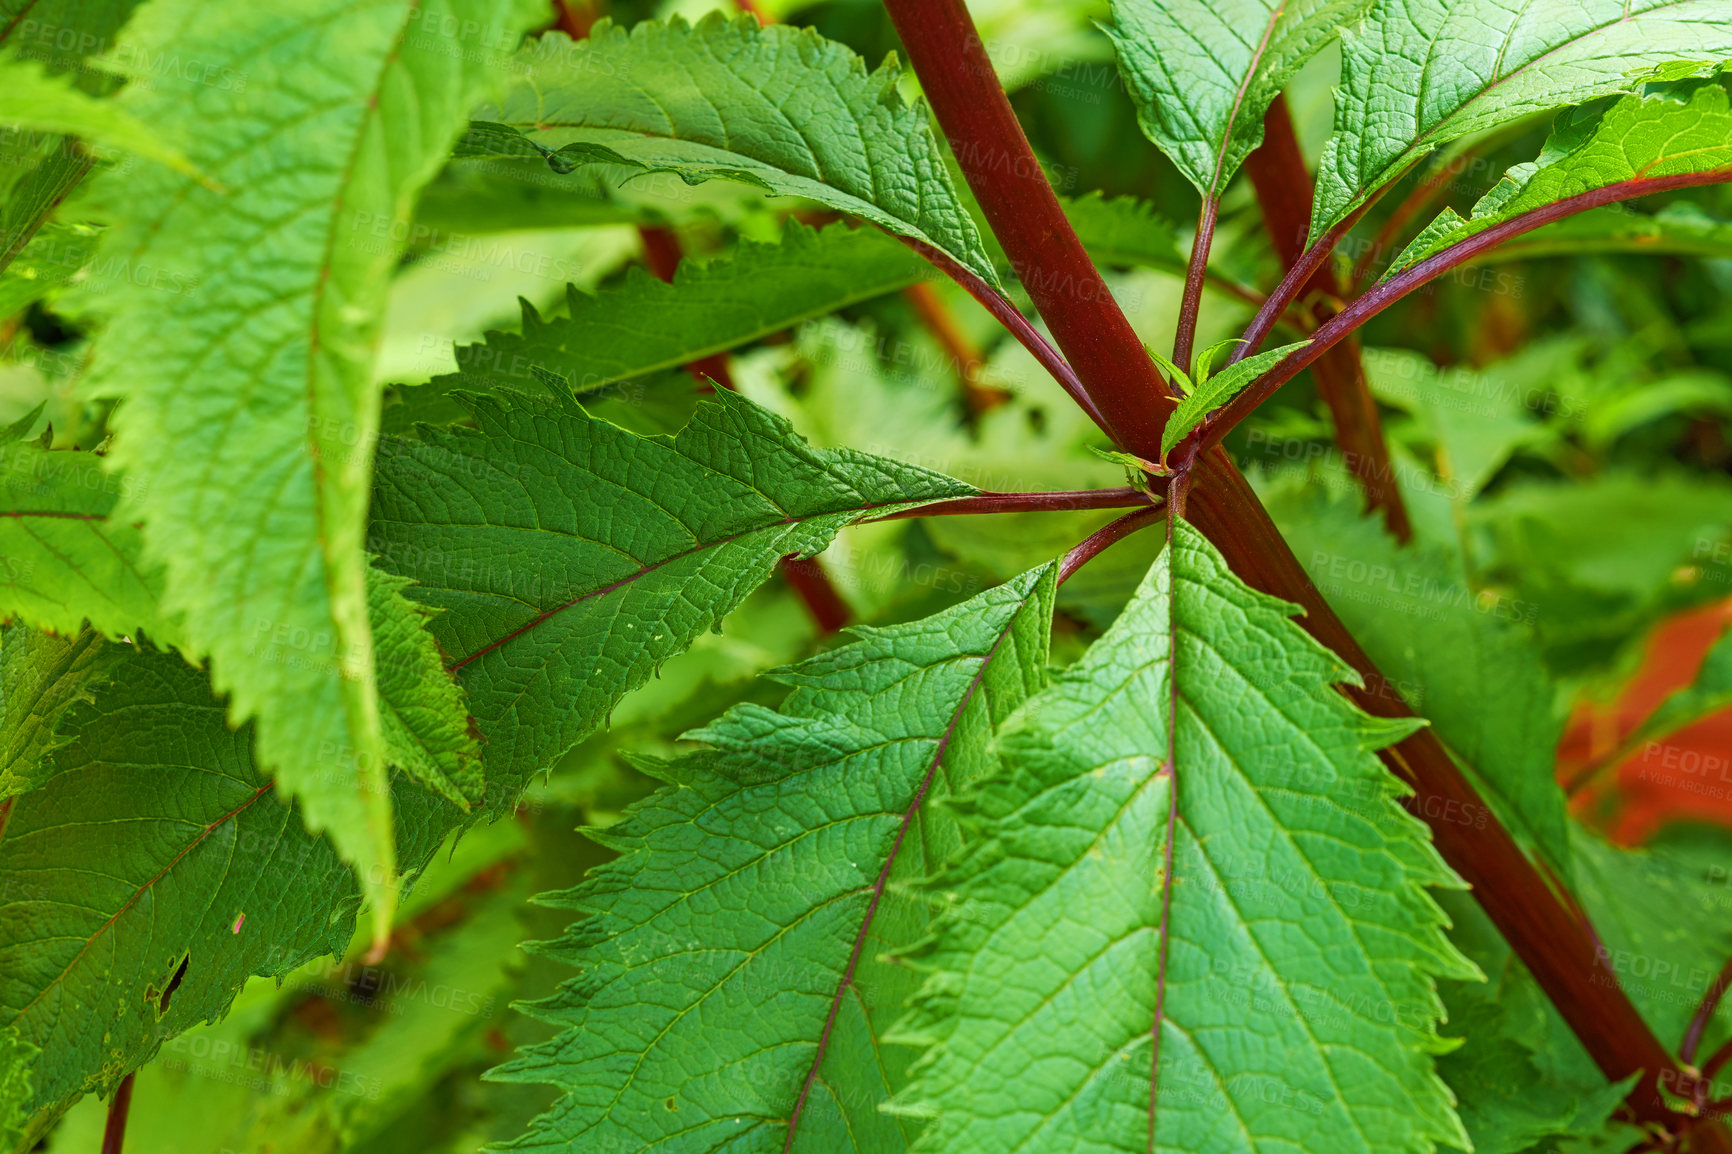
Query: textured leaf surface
[(781, 106), (421, 708), (41, 677), (648, 325), (1683, 128), (155, 833), (1216, 389), (66, 559), (757, 892), (32, 99), (1420, 73), (571, 557), (1204, 73), (1299, 1007), (254, 454)]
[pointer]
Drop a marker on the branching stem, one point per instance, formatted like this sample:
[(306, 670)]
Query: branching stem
[(1186, 335)]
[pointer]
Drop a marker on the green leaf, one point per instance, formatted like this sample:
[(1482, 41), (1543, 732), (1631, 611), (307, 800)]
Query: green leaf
[(647, 325), (32, 99), (1421, 73), (571, 557), (1300, 947), (422, 712), (1203, 74), (485, 139), (1520, 1077), (1125, 231), (1456, 654), (16, 1058), (154, 834), (802, 827), (783, 106), (253, 457), (1215, 391), (64, 557), (1678, 129), (41, 677)]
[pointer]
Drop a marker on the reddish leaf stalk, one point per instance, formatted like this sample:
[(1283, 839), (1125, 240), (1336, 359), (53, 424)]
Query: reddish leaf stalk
[(1105, 537), (1061, 500), (1284, 192), (1012, 319), (1557, 947), (1185, 337), (114, 1132), (1699, 1021), (1380, 297)]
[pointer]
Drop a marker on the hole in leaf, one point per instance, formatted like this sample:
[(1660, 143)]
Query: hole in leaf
[(173, 985)]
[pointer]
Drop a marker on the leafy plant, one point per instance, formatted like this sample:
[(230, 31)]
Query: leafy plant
[(1187, 776)]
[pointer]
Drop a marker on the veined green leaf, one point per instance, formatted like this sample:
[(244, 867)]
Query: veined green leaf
[(254, 456), (424, 718), (1683, 128), (784, 107), (806, 826), (1204, 72), (1290, 981), (648, 325), (1420, 73), (16, 1058), (155, 874), (32, 99), (1217, 389), (41, 677), (571, 557), (67, 559)]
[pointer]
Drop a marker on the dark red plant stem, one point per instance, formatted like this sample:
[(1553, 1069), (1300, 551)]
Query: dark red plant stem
[(1067, 500), (1381, 296), (1542, 931), (1012, 319), (1717, 1060), (1299, 275), (1284, 192), (947, 53), (1107, 535), (1699, 1021), (1555, 945), (114, 1133), (805, 576), (1185, 336)]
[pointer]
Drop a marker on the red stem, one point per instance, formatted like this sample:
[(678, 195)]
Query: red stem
[(114, 1133), (1558, 949), (1185, 338), (949, 57), (1284, 192), (1105, 537), (1381, 296), (1699, 1021), (1061, 500)]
